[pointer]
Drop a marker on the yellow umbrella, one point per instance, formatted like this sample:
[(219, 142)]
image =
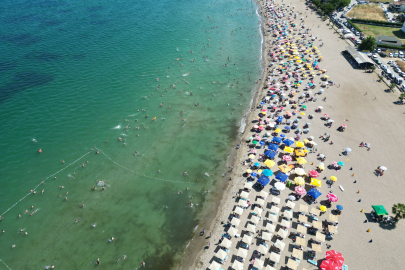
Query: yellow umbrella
[(299, 153), (323, 208), (311, 69), (299, 144), (301, 161), (316, 182), (316, 48), (259, 171), (288, 149), (302, 113), (249, 171), (306, 151), (298, 84), (277, 130), (252, 156), (284, 168), (269, 163), (333, 178), (299, 181)]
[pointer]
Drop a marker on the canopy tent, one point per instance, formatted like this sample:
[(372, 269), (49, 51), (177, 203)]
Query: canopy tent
[(221, 254), (226, 243), (270, 163), (266, 236), (314, 193), (242, 252), (215, 266), (380, 210), (275, 257), (232, 231), (270, 227), (282, 177), (273, 147), (247, 239), (237, 265), (258, 264), (263, 180)]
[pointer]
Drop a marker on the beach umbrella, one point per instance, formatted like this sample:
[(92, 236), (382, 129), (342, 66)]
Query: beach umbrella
[(302, 113), (332, 197), (299, 181), (252, 156), (282, 177), (287, 158), (340, 163), (335, 257), (333, 178), (291, 198), (313, 173), (300, 190), (287, 127), (320, 107), (301, 161), (304, 106), (329, 265), (253, 151), (267, 172), (331, 121), (316, 182), (314, 193), (383, 168), (288, 142), (282, 135), (263, 180), (323, 208), (380, 210), (339, 207), (214, 265), (279, 186), (269, 163), (299, 171), (253, 174), (257, 164), (284, 168)]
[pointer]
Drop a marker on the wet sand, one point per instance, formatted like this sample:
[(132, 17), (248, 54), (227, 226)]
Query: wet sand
[(372, 118)]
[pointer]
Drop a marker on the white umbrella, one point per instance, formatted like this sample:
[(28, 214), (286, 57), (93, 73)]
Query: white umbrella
[(247, 239), (288, 214), (290, 205), (331, 121), (266, 236), (279, 186), (214, 266), (258, 264), (298, 171), (260, 202), (348, 150), (321, 156), (221, 254), (279, 244), (383, 168), (251, 228), (285, 223), (226, 243), (255, 220), (311, 137), (232, 231), (291, 197), (237, 265), (258, 211), (275, 257), (235, 221), (242, 252), (272, 218), (262, 249), (248, 185), (270, 227), (275, 210), (238, 210), (264, 194), (275, 200), (244, 194), (282, 233)]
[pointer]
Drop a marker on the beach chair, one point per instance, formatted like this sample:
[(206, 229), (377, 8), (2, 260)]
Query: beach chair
[(312, 262)]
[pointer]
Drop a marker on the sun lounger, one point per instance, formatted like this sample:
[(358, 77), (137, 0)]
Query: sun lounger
[(312, 262)]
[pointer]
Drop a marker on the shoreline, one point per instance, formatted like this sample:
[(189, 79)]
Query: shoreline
[(211, 219)]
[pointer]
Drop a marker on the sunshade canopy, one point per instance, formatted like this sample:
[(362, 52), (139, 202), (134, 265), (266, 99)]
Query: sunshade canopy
[(214, 266), (281, 176), (263, 180), (232, 231), (247, 239), (270, 227), (258, 264), (275, 257), (237, 265), (266, 236), (380, 210), (226, 243), (221, 254)]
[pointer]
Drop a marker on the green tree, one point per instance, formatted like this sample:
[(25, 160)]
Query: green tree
[(399, 210), (368, 44), (402, 97), (373, 68), (392, 86)]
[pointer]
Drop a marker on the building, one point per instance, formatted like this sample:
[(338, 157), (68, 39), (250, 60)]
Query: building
[(388, 40), (362, 61), (398, 6)]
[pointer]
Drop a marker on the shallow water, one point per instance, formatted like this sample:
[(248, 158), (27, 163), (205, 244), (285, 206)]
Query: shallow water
[(74, 74)]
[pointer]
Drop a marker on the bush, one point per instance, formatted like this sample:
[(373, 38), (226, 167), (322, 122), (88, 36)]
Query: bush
[(354, 26), (376, 22), (391, 47)]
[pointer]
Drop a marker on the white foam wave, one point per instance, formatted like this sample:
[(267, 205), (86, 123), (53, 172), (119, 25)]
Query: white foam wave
[(117, 127)]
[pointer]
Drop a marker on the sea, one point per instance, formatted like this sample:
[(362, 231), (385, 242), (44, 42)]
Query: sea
[(117, 120)]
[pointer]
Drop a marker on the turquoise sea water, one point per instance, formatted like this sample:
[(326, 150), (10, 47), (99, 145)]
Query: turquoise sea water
[(74, 74)]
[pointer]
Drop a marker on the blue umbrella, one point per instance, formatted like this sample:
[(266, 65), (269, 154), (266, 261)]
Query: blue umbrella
[(263, 180), (280, 119), (267, 172), (314, 193), (262, 143), (287, 127), (273, 95), (276, 139), (273, 147), (282, 135), (253, 174), (262, 103), (339, 207), (282, 177), (288, 142), (272, 154), (257, 164)]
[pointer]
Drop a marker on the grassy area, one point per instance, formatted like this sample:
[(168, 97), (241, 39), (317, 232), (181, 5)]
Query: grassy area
[(367, 12), (401, 65), (374, 30)]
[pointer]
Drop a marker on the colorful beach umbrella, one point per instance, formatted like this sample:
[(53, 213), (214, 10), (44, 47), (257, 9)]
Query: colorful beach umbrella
[(335, 257), (269, 163), (339, 207), (287, 158), (301, 161), (323, 208), (299, 181), (313, 173), (267, 172), (329, 265), (316, 182), (340, 163), (332, 197), (300, 190), (333, 178)]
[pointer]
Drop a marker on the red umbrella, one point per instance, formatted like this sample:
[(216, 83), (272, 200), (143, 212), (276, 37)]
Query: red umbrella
[(329, 265), (300, 190), (313, 173), (332, 197), (335, 256)]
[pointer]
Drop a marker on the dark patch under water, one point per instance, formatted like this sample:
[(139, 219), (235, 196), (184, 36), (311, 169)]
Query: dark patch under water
[(22, 18), (43, 56), (99, 22), (79, 56), (95, 8), (6, 66), (21, 39), (50, 22), (22, 81)]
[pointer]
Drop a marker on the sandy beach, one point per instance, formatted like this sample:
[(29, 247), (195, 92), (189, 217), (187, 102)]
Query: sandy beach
[(371, 117)]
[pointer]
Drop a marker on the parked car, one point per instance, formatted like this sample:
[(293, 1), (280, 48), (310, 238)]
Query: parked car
[(395, 54), (383, 54), (357, 34), (378, 50), (391, 55)]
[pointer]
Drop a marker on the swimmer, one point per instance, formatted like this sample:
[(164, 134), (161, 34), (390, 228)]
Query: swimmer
[(19, 215), (35, 192), (43, 191), (94, 225), (63, 161), (26, 233), (13, 246), (111, 239), (82, 205), (67, 192), (65, 198), (103, 188), (32, 207)]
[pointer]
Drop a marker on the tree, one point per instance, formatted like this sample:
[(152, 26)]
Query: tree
[(399, 210), (368, 44), (402, 97), (392, 86), (373, 68)]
